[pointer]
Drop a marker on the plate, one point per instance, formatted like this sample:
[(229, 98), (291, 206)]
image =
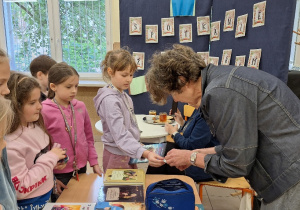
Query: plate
[(170, 120)]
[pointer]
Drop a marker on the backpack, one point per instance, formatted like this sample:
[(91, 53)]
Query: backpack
[(170, 194)]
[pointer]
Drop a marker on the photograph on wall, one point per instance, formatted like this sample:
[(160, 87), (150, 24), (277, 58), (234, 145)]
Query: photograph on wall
[(139, 58), (203, 25), (240, 60), (215, 31), (185, 33), (259, 13), (241, 23), (226, 57), (205, 56), (229, 20), (214, 60), (167, 27), (151, 33), (254, 58), (135, 25)]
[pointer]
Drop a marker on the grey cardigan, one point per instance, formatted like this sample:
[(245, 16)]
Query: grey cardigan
[(256, 118)]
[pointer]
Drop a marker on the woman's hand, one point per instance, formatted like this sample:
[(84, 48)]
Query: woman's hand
[(170, 128), (97, 170), (178, 117), (179, 158)]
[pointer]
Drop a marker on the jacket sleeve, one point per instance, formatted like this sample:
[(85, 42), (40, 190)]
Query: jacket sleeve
[(92, 155), (27, 180), (196, 136), (232, 117), (121, 136)]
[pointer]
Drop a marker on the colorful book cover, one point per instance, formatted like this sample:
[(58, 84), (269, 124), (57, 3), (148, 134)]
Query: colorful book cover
[(119, 206), (159, 149), (73, 206), (124, 177), (124, 193)]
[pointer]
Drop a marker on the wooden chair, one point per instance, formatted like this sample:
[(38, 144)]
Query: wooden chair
[(231, 183), (187, 111)]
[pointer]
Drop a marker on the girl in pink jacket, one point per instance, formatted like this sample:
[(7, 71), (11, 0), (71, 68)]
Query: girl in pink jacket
[(68, 122), (29, 156)]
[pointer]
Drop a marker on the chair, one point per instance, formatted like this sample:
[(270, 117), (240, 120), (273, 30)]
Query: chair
[(187, 111), (231, 183)]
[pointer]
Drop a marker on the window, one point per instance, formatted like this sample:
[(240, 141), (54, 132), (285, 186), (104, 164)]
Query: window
[(73, 31), (295, 49)]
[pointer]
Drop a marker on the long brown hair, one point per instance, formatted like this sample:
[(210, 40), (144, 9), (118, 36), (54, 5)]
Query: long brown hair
[(117, 60), (20, 87), (59, 73)]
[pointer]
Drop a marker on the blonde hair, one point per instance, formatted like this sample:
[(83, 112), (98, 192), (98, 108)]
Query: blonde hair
[(117, 60), (6, 116), (3, 56)]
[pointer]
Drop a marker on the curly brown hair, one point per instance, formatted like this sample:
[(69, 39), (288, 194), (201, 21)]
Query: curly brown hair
[(117, 60), (41, 63), (171, 70)]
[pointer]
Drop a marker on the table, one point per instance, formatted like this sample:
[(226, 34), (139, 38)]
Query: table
[(87, 189), (151, 133)]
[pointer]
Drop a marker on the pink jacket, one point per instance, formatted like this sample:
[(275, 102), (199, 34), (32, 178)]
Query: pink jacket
[(30, 162), (54, 122)]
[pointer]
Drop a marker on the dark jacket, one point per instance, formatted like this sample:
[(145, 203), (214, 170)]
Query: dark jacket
[(256, 119)]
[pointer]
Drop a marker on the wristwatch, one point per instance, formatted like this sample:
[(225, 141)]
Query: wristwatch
[(173, 135), (193, 158)]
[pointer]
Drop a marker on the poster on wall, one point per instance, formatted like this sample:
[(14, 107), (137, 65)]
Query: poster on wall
[(214, 60), (226, 57), (203, 25), (135, 25), (167, 27), (151, 33), (215, 31), (241, 23), (139, 58), (229, 20), (185, 33), (254, 58), (240, 60), (205, 56), (259, 12)]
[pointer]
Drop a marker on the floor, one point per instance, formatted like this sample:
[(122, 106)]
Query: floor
[(214, 198)]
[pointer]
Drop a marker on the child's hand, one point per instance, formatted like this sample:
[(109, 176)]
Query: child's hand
[(60, 185), (97, 170), (61, 154), (60, 166), (155, 160)]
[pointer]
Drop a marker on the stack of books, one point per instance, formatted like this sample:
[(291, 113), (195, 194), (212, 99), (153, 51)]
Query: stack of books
[(123, 188)]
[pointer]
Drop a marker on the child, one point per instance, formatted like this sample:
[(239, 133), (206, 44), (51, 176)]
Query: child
[(68, 122), (39, 68), (8, 194), (120, 130), (30, 161)]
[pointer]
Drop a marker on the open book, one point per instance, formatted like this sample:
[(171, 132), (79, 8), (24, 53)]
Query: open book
[(159, 149)]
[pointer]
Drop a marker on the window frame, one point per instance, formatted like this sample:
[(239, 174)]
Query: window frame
[(295, 38), (86, 79)]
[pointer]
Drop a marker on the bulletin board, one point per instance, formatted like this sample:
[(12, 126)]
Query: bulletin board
[(274, 38), (151, 12)]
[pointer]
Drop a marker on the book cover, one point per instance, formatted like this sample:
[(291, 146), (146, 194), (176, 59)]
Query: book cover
[(124, 193), (73, 206), (159, 149), (124, 177), (119, 206)]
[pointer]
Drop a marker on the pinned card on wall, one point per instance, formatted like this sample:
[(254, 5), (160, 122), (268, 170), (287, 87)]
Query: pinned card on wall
[(240, 60), (138, 86), (135, 25), (185, 33), (151, 33), (215, 31), (167, 27), (139, 58), (182, 7), (226, 57), (203, 25), (205, 56), (254, 58), (241, 23), (214, 60), (259, 13), (229, 20)]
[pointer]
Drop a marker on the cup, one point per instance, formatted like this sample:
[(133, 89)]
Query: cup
[(152, 112), (149, 119), (163, 117)]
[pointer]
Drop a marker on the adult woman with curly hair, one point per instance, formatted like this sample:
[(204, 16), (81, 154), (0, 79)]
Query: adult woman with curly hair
[(254, 115)]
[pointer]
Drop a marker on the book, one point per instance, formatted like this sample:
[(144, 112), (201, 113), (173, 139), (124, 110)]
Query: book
[(119, 206), (159, 149), (73, 206), (116, 177), (124, 193)]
